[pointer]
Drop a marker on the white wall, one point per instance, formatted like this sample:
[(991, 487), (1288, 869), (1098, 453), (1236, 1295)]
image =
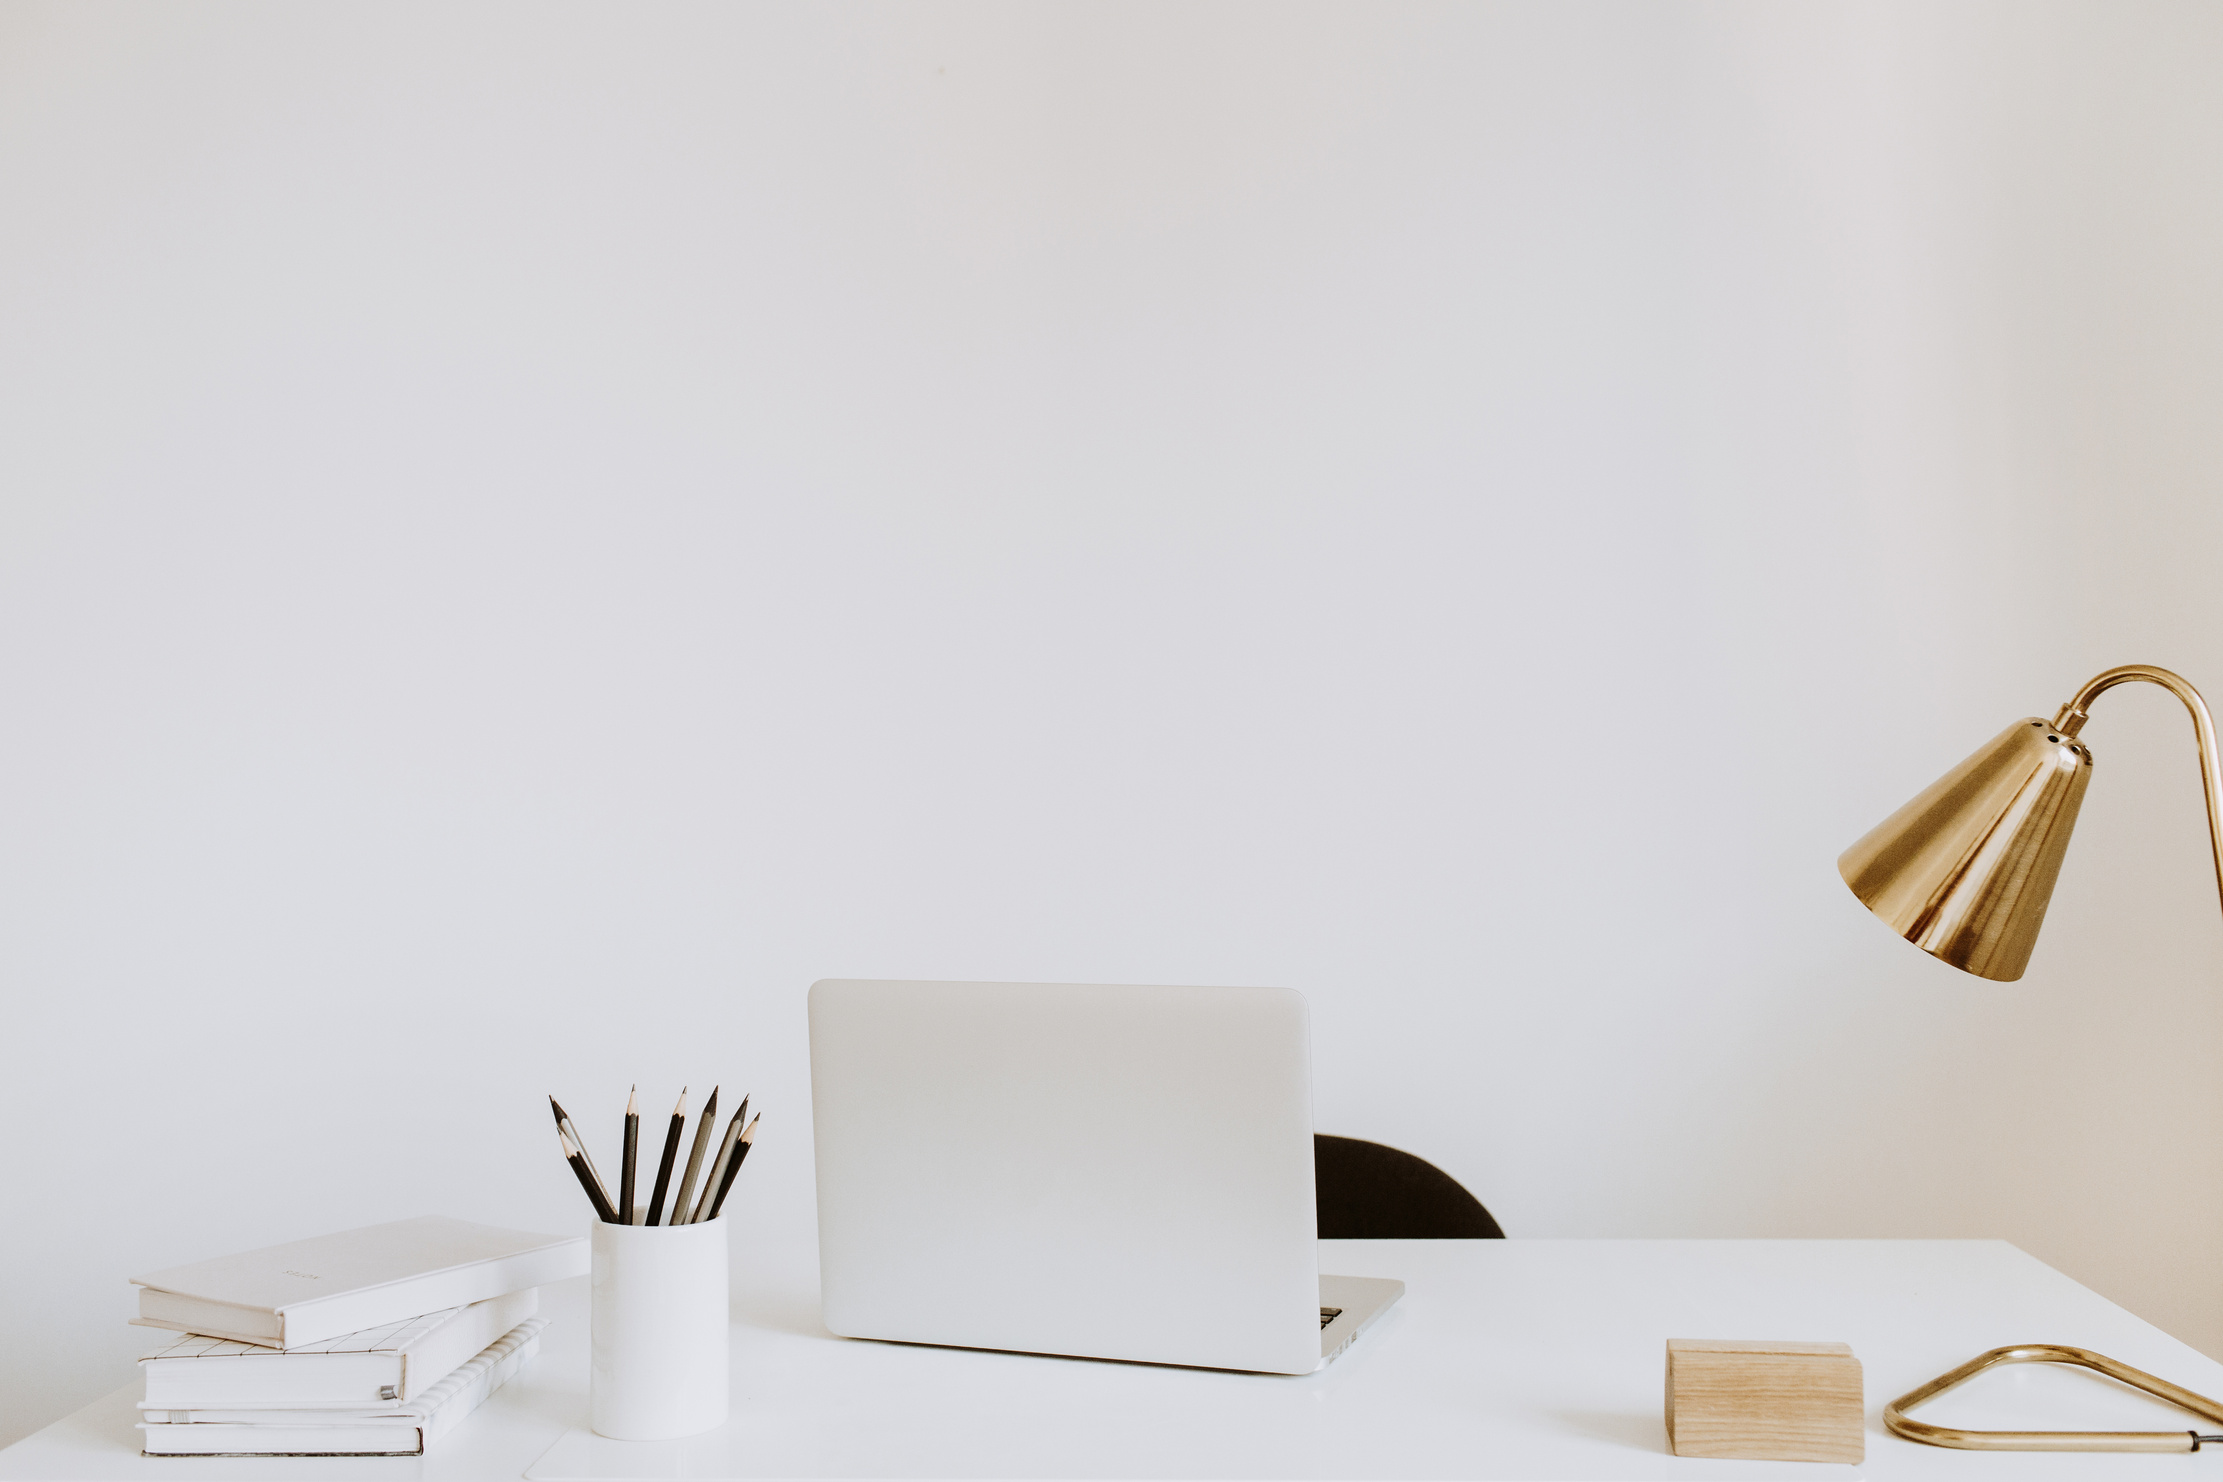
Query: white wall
[(528, 534)]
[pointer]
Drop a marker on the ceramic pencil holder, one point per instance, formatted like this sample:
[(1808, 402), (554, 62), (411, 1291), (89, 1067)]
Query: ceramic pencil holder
[(660, 1342)]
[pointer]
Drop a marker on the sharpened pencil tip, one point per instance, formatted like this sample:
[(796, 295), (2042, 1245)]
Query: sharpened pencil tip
[(557, 1107), (632, 1102)]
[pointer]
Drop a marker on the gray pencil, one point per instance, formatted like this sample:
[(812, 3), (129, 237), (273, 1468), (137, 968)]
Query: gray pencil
[(740, 1156), (703, 1128), (717, 1172), (563, 1125)]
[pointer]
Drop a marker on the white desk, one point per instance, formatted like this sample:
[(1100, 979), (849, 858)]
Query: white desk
[(1506, 1359)]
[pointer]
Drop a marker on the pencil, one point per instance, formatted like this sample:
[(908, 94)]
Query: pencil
[(717, 1173), (671, 1149), (563, 1125), (627, 1214), (577, 1158), (703, 1128), (740, 1156)]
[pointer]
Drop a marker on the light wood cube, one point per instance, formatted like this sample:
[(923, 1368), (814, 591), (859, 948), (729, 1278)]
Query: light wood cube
[(1764, 1401)]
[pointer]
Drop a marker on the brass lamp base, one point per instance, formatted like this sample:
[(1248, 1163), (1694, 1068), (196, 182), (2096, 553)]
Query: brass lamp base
[(1895, 1416)]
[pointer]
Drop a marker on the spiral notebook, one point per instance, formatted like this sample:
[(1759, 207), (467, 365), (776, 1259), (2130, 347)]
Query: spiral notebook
[(398, 1430)]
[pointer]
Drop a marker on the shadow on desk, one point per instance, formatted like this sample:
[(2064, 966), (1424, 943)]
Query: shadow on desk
[(1639, 1432), (796, 1313)]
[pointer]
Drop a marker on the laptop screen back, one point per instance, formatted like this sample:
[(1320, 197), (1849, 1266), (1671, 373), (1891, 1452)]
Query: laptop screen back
[(1108, 1171)]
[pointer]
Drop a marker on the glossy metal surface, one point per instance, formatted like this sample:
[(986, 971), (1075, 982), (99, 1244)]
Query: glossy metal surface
[(1894, 1414), (2071, 717), (1966, 869)]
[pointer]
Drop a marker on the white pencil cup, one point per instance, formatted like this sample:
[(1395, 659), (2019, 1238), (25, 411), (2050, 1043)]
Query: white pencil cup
[(660, 1338)]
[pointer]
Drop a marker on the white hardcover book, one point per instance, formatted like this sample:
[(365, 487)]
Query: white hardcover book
[(406, 1430), (295, 1295), (396, 1362)]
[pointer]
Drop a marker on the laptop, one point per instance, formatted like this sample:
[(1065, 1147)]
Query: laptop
[(1100, 1171)]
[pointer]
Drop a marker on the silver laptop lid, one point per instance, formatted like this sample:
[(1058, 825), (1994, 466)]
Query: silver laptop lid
[(1108, 1171)]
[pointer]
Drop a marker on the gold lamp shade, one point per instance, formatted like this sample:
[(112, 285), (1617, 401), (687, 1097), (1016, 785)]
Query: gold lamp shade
[(1966, 869)]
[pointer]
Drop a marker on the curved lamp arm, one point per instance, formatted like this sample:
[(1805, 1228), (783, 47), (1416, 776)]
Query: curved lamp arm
[(2069, 721)]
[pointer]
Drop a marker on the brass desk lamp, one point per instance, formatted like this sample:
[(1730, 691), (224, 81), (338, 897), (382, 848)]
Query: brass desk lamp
[(1964, 872)]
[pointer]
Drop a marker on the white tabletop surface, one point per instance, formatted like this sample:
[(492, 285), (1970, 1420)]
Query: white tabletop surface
[(1506, 1359)]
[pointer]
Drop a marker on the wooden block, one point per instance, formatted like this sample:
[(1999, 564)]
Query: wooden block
[(1764, 1401)]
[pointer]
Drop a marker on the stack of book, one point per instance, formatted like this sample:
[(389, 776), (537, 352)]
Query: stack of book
[(373, 1342)]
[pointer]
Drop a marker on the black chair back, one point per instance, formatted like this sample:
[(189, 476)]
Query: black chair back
[(1367, 1191)]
